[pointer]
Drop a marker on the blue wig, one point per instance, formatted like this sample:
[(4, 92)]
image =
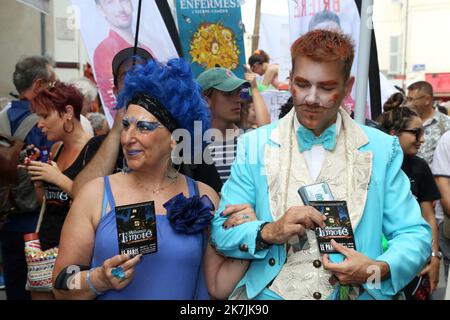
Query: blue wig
[(173, 86)]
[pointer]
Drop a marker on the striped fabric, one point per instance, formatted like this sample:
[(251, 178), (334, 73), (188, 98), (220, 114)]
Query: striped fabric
[(223, 154)]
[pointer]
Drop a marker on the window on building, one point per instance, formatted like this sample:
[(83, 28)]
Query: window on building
[(395, 55)]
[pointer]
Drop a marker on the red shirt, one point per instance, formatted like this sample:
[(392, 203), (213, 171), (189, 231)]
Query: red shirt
[(103, 57)]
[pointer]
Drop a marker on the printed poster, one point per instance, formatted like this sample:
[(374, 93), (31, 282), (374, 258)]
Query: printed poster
[(212, 34), (109, 26)]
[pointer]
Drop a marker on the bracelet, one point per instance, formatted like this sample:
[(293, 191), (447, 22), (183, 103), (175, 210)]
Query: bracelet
[(261, 244), (89, 282)]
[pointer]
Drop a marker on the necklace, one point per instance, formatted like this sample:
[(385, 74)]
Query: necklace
[(172, 179)]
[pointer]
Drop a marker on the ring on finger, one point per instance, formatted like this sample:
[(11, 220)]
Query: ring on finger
[(245, 217), (118, 273)]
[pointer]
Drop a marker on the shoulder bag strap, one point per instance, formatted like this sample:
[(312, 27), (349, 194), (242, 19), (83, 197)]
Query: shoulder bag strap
[(86, 152), (41, 214), (5, 127), (26, 126)]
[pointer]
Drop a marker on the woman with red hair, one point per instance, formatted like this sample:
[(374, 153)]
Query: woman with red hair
[(58, 107)]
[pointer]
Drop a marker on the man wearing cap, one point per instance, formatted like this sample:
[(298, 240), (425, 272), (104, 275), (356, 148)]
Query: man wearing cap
[(222, 90), (109, 158), (118, 14)]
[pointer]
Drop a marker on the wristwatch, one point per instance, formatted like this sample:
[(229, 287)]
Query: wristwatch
[(260, 243), (437, 254)]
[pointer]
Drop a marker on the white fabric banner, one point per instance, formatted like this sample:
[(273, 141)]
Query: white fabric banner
[(109, 27), (274, 39), (274, 100)]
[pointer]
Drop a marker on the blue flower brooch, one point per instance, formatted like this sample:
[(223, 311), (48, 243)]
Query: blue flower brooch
[(189, 215)]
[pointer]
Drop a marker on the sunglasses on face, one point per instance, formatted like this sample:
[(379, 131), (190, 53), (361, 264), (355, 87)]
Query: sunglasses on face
[(418, 132), (141, 126)]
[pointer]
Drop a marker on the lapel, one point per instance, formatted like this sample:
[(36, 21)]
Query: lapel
[(346, 169), (277, 155)]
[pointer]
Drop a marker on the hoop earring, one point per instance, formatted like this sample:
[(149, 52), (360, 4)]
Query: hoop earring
[(71, 130)]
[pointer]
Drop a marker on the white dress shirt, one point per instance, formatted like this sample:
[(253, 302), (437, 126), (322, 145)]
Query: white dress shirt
[(315, 157)]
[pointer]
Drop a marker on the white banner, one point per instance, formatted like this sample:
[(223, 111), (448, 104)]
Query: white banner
[(108, 27), (39, 5), (274, 99), (274, 39)]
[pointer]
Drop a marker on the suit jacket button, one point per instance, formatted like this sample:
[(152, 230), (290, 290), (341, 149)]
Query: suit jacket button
[(317, 263), (317, 295), (243, 247), (272, 262)]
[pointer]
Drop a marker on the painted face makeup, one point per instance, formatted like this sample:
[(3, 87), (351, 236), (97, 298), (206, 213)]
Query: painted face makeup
[(142, 126), (319, 94)]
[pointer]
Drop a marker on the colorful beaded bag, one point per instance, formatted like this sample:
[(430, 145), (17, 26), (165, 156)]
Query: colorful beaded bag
[(40, 263)]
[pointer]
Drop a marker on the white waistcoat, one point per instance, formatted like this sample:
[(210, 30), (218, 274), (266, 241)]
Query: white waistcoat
[(345, 169)]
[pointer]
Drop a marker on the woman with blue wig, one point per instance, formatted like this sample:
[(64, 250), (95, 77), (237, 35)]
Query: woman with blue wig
[(160, 99)]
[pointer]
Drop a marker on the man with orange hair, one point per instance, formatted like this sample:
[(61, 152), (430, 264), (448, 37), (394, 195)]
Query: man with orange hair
[(316, 142)]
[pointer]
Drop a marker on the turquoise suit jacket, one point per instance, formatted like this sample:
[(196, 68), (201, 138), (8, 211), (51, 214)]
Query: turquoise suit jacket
[(390, 209)]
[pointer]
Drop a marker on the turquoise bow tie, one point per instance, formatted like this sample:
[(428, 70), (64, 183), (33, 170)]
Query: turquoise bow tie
[(306, 138)]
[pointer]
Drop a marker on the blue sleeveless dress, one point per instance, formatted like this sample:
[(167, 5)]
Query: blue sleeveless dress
[(175, 272)]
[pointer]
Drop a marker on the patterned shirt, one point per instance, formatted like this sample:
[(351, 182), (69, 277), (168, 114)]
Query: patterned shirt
[(434, 127)]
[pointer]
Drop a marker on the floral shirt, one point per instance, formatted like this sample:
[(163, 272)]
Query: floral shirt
[(434, 127)]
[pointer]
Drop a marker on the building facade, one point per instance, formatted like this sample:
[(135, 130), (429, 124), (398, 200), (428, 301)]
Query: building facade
[(411, 41), (25, 31)]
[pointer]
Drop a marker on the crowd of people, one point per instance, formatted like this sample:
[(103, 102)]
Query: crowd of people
[(224, 182)]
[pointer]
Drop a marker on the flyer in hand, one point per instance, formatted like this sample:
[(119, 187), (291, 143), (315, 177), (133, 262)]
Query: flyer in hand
[(136, 228), (313, 192), (337, 226)]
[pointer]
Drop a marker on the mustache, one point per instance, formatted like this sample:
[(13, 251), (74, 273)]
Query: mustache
[(309, 105)]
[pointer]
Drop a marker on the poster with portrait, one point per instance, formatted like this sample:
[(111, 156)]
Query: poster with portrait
[(339, 15), (109, 26), (212, 35)]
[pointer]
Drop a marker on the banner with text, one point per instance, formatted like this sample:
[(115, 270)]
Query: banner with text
[(212, 34)]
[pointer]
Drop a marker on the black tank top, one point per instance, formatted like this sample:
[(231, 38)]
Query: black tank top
[(58, 202)]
